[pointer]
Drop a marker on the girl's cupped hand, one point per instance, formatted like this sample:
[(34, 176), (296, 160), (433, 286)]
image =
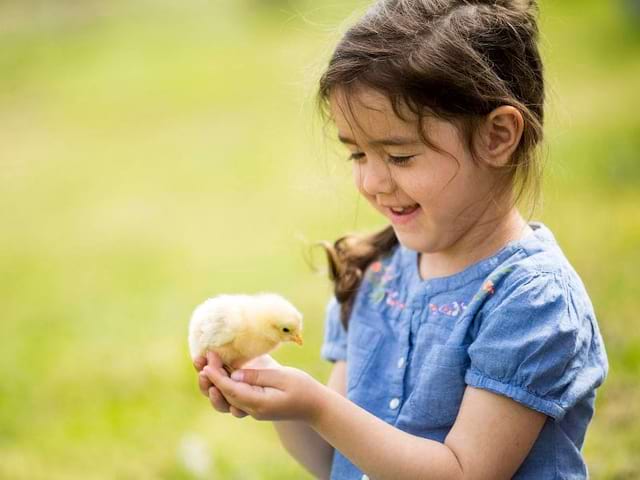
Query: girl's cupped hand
[(263, 389)]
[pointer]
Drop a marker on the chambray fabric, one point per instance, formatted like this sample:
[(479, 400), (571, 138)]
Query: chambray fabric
[(518, 323)]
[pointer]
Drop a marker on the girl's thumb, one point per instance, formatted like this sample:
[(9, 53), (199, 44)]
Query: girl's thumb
[(261, 377)]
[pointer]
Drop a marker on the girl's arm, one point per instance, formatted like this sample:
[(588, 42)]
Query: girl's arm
[(303, 443), (491, 437), (489, 440)]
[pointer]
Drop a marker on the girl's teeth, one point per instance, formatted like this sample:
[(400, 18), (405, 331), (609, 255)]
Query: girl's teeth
[(404, 209)]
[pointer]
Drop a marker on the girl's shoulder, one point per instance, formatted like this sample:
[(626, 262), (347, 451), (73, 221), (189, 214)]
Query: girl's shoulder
[(531, 332), (536, 268), (537, 297)]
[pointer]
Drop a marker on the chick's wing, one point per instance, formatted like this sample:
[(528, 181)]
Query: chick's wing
[(214, 324)]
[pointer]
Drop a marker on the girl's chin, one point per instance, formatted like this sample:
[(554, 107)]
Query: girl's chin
[(413, 241)]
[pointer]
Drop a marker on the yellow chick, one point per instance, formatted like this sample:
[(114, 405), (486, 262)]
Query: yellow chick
[(241, 327)]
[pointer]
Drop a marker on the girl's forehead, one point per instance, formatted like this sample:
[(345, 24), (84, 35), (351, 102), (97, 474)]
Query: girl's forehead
[(367, 114)]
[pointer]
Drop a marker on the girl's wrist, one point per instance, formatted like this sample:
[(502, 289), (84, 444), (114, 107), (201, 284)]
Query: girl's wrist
[(320, 405)]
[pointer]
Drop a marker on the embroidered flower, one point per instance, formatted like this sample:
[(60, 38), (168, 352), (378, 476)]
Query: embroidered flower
[(489, 286), (450, 309), (393, 301), (379, 275)]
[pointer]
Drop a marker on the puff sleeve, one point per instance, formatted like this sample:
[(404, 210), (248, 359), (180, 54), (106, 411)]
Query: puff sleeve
[(334, 347), (538, 343)]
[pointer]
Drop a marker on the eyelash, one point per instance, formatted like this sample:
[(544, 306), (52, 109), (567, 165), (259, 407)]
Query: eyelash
[(395, 160)]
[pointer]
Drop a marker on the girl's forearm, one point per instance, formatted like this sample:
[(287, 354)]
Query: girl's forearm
[(380, 450), (306, 446)]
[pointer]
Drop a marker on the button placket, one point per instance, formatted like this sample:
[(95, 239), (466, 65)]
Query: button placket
[(397, 394)]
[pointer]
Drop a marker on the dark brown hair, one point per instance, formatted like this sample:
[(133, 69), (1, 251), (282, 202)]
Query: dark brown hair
[(453, 59)]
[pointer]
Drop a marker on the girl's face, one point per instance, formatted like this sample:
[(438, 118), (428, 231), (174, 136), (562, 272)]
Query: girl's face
[(445, 192)]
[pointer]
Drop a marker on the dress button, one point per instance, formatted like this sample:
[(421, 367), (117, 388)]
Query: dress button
[(393, 404), (401, 362)]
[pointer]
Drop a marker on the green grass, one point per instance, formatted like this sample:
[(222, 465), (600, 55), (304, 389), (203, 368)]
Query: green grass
[(155, 155)]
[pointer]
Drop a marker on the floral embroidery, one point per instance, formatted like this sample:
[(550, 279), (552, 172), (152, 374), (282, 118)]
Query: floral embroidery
[(489, 286), (450, 309), (391, 300), (379, 275)]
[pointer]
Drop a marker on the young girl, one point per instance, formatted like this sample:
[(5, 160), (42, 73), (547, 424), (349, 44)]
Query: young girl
[(465, 344)]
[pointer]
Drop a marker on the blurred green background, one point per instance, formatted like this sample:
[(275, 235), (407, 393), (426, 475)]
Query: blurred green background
[(156, 153)]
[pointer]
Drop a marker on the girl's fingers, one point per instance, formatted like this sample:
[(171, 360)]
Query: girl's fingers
[(236, 412), (199, 363), (217, 400), (220, 404), (208, 389), (204, 384), (214, 360)]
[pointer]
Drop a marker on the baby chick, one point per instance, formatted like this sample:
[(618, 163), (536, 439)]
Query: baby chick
[(241, 327)]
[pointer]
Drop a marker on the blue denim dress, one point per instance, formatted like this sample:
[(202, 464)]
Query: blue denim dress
[(518, 323)]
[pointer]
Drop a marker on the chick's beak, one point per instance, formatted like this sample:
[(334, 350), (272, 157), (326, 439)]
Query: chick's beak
[(297, 338)]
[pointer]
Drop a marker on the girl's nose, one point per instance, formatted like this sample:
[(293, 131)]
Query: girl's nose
[(375, 177)]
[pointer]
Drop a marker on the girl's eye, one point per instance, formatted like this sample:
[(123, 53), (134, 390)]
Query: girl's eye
[(356, 156), (400, 160), (392, 159)]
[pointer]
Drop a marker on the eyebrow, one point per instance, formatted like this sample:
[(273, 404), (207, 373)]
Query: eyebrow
[(383, 141)]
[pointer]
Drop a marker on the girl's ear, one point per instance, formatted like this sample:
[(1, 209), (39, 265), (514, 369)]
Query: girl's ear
[(499, 135)]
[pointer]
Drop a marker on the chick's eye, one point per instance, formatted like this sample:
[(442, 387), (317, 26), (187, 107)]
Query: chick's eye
[(286, 330)]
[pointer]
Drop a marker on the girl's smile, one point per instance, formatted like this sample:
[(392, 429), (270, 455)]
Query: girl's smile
[(403, 215)]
